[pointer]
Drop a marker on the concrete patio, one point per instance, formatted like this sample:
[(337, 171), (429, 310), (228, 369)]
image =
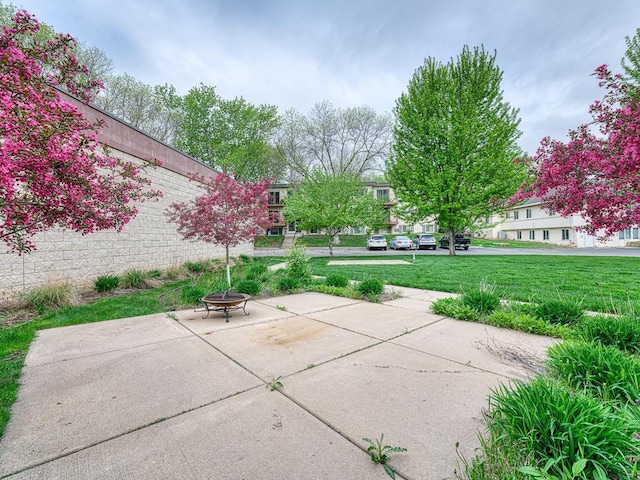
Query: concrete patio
[(155, 398)]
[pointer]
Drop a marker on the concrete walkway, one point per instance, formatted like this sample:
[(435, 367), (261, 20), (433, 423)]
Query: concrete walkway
[(155, 398)]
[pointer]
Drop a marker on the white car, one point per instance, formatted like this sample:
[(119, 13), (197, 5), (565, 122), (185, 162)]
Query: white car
[(377, 241), (400, 242)]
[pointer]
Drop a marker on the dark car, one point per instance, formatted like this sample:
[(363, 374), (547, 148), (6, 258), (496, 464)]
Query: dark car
[(424, 241), (461, 241)]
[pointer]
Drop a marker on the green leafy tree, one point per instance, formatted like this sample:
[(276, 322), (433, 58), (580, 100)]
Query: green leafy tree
[(333, 202), (233, 136), (455, 141)]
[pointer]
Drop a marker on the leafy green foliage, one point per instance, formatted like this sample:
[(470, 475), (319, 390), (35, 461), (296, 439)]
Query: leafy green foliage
[(133, 279), (380, 453), (332, 202), (250, 287), (527, 323), (483, 298), (621, 332), (551, 421), (196, 267), (288, 284), (454, 308), (191, 294), (106, 283), (297, 264), (560, 312), (605, 371), (442, 165), (258, 272), (275, 383), (336, 280), (371, 288)]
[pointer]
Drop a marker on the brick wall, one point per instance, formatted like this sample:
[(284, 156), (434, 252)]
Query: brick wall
[(147, 242)]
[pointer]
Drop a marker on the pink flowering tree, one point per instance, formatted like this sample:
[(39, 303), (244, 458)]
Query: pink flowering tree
[(53, 171), (597, 172), (228, 213)]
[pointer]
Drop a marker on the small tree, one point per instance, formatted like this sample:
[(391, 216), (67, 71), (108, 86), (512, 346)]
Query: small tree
[(229, 212), (596, 176), (333, 202), (53, 171)]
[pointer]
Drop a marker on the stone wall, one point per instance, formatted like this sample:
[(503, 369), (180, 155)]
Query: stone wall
[(147, 242)]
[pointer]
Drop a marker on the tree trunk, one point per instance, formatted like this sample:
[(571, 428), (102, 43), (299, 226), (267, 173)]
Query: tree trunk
[(228, 269), (330, 245), (452, 241)]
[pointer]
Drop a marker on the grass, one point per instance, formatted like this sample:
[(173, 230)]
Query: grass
[(580, 280)]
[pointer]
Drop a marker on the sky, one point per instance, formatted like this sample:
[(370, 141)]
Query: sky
[(296, 53)]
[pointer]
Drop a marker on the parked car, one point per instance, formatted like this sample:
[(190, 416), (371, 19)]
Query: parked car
[(377, 241), (400, 242), (424, 241), (461, 241)]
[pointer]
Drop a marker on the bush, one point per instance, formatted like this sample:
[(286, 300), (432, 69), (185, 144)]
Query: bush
[(527, 323), (106, 283), (51, 295), (331, 290), (454, 308), (551, 422), (482, 299), (336, 280), (250, 287), (557, 311), (622, 332), (371, 288), (298, 263), (133, 279), (607, 372), (287, 284)]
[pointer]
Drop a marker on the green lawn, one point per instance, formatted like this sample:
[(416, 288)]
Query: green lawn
[(598, 283)]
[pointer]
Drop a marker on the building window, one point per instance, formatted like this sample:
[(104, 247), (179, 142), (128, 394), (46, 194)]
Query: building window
[(382, 194), (545, 234), (516, 214), (532, 235), (519, 235), (635, 233), (405, 229), (528, 213), (625, 234), (552, 213), (508, 215), (565, 234), (429, 228), (274, 198)]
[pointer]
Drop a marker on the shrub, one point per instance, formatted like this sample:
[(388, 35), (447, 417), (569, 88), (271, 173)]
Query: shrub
[(191, 294), (454, 308), (244, 258), (250, 287), (154, 274), (174, 272), (106, 283), (621, 332), (287, 284), (605, 371), (298, 263), (331, 290), (57, 294), (133, 279), (527, 323), (196, 267), (557, 311), (482, 299), (551, 422), (336, 280), (371, 288)]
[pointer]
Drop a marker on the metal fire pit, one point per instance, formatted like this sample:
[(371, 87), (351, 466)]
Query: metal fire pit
[(225, 302)]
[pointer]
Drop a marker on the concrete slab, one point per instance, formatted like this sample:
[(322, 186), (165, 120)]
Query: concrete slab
[(257, 434), (498, 350), (432, 296), (410, 304), (67, 405), (403, 291), (216, 321), (56, 344), (286, 346), (368, 262), (420, 402), (303, 303), (375, 320)]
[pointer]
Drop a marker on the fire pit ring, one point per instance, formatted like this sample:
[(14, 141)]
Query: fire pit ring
[(225, 302)]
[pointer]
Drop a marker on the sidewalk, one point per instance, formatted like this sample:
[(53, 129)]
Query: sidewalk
[(154, 398)]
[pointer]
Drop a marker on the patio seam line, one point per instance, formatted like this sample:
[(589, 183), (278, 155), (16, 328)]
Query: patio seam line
[(127, 432), (124, 349)]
